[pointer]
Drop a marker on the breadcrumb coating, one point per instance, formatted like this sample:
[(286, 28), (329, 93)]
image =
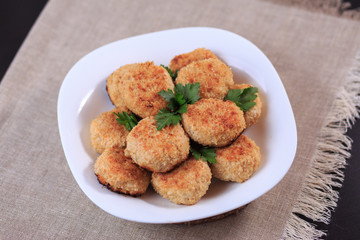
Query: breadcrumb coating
[(185, 184), (106, 132), (140, 85), (157, 151), (184, 59), (238, 161), (214, 76), (112, 85), (120, 174), (213, 122)]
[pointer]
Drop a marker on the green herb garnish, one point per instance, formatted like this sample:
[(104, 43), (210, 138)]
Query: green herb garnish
[(243, 98), (129, 121), (190, 92), (177, 103), (165, 118), (172, 74), (203, 152)]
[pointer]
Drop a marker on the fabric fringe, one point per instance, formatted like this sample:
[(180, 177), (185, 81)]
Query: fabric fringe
[(318, 197)]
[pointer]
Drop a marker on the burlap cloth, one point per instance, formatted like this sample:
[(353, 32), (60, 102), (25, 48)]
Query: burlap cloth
[(39, 199)]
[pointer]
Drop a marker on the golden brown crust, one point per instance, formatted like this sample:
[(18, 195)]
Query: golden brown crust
[(251, 116), (238, 161), (120, 174), (213, 122), (140, 85), (185, 184), (184, 59), (106, 132), (112, 85), (214, 76), (157, 151)]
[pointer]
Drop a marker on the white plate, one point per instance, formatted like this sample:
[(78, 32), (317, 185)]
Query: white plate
[(83, 97)]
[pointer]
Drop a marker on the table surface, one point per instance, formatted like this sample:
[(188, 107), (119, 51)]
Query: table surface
[(17, 18)]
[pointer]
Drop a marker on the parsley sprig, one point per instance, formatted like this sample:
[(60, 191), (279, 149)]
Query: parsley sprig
[(166, 118), (124, 118), (243, 98), (204, 152), (177, 103), (173, 75)]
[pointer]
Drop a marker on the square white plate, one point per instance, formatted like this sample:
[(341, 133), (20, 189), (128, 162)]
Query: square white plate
[(83, 97)]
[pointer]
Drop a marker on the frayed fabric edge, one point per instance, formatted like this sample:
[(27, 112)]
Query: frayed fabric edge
[(318, 198)]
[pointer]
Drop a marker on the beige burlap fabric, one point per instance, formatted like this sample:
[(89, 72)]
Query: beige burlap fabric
[(39, 198)]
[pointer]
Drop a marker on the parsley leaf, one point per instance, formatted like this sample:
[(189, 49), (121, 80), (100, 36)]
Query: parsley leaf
[(167, 95), (129, 121), (177, 103), (243, 98), (182, 109), (165, 118), (190, 92), (182, 94), (172, 74), (203, 152)]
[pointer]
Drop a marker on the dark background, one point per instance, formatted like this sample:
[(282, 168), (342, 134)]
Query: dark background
[(17, 18)]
